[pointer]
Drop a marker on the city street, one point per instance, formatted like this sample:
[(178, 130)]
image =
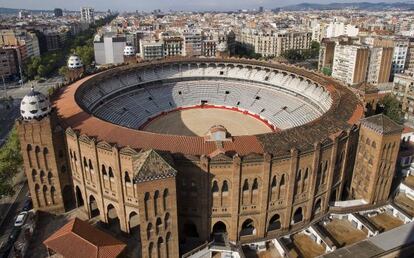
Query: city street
[(18, 92), (7, 224)]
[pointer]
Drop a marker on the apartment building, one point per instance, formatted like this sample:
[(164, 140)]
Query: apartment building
[(151, 50), (109, 48), (350, 63), (273, 44), (380, 62), (403, 90), (173, 46), (21, 38), (87, 15), (400, 55), (409, 62), (8, 63), (192, 43)]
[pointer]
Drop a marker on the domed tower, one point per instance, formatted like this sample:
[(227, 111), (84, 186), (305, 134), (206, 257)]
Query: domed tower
[(44, 154), (75, 67), (222, 50), (129, 54)]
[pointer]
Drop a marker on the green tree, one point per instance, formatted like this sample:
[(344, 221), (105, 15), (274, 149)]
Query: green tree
[(391, 107), (327, 71), (42, 70), (10, 162), (63, 71)]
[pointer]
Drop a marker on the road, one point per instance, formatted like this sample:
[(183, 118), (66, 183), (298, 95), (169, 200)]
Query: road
[(18, 92), (7, 117), (8, 223)]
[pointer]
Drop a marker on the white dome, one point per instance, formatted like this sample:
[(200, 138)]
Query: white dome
[(34, 105), (74, 62), (129, 51), (222, 47)]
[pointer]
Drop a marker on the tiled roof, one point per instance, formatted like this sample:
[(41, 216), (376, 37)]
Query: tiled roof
[(381, 124), (346, 111), (81, 240), (150, 165)]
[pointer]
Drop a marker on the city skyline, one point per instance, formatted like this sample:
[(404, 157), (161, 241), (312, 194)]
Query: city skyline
[(176, 5)]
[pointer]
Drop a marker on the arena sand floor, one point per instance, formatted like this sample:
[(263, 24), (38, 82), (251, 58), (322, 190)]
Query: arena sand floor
[(197, 122)]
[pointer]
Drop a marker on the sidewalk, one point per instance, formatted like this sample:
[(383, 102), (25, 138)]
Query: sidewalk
[(7, 202)]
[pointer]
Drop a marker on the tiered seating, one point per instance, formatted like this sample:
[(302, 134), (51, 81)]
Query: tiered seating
[(137, 106)]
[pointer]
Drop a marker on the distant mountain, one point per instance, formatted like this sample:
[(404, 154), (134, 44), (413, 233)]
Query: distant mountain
[(4, 10), (356, 5)]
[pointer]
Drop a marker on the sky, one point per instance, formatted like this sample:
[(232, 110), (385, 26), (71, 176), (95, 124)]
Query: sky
[(149, 5)]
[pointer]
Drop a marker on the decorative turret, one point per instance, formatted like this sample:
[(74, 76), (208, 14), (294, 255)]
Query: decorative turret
[(74, 62), (129, 54), (34, 105), (129, 51), (222, 50)]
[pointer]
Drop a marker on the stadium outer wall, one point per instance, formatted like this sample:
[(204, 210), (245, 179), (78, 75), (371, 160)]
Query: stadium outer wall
[(174, 197)]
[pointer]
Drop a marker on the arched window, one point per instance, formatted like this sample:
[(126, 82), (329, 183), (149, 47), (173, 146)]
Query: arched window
[(246, 185), (160, 243), (90, 164), (305, 177), (34, 175), (215, 187), (104, 173), (274, 183), (299, 175), (110, 173), (149, 231), (50, 177), (150, 249), (255, 184), (225, 187), (53, 194), (282, 180), (85, 163), (29, 154), (37, 151), (42, 176), (127, 178), (165, 199), (167, 220), (158, 225), (156, 196), (45, 195), (146, 204)]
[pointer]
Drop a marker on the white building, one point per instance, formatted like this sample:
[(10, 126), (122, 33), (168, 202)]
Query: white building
[(87, 15), (350, 63), (151, 50), (336, 29), (400, 55), (109, 48)]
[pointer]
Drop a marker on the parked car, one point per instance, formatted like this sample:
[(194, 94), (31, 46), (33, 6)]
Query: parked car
[(21, 219), (27, 206)]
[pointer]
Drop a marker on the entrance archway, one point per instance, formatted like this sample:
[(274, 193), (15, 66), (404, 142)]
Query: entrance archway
[(274, 222), (134, 227), (113, 220), (219, 233), (298, 215), (79, 198), (93, 206), (248, 228), (68, 199)]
